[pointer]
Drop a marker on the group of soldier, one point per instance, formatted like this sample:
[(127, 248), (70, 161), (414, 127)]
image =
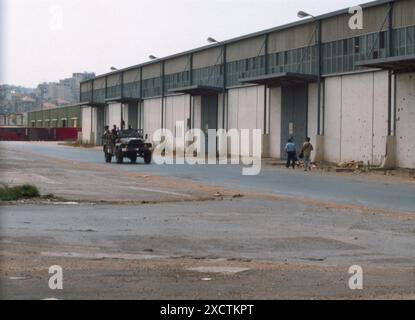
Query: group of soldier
[(112, 134)]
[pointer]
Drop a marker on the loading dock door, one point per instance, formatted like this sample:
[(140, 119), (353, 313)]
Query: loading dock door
[(293, 115), (132, 115), (209, 115), (100, 124)]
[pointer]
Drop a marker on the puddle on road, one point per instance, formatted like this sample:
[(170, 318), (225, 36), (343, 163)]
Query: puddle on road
[(18, 278), (216, 269), (69, 203), (101, 256)]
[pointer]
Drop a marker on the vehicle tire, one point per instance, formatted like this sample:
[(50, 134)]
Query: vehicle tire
[(108, 157), (133, 159), (147, 156), (120, 157)]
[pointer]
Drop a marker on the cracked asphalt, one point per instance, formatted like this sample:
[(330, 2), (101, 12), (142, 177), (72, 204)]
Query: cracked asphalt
[(200, 232)]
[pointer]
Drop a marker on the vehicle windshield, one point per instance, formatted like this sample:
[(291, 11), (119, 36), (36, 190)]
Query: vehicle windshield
[(133, 133)]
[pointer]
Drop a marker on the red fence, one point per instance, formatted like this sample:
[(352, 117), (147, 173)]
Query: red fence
[(39, 134)]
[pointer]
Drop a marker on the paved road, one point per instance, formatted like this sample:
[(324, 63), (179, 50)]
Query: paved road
[(252, 247), (342, 190), (290, 231), (205, 250)]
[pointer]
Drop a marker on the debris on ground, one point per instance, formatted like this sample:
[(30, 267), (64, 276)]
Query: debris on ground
[(351, 164)]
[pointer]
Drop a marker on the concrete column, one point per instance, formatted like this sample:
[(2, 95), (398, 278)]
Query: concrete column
[(389, 161), (318, 148), (266, 148)]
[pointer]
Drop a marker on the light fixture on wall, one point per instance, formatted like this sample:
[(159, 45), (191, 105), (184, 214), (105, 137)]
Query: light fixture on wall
[(303, 14), (211, 40)]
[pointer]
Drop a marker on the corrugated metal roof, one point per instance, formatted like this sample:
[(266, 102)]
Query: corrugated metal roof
[(248, 36)]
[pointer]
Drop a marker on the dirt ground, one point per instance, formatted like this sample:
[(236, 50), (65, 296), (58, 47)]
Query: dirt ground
[(135, 235)]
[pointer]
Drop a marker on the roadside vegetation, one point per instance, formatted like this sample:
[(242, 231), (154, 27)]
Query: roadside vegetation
[(26, 191)]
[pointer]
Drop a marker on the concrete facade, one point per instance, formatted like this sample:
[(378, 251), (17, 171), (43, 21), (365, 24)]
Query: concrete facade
[(365, 113), (356, 117), (405, 121), (152, 116)]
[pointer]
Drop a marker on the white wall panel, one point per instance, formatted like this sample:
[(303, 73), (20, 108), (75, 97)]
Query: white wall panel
[(233, 103), (357, 110), (177, 109), (405, 121), (332, 136), (114, 115), (86, 124), (152, 116), (380, 117), (275, 122), (356, 116), (246, 108)]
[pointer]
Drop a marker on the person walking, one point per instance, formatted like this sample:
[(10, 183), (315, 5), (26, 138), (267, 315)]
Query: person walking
[(291, 151), (306, 153)]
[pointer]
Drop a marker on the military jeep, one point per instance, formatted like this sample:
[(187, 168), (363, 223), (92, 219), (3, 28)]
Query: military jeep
[(126, 144)]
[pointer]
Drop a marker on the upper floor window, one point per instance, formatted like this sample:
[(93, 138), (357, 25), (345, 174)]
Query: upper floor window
[(382, 40), (356, 45)]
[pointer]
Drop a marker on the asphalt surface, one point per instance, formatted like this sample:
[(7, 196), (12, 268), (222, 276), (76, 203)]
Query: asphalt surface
[(222, 229), (163, 232), (286, 182), (231, 249)]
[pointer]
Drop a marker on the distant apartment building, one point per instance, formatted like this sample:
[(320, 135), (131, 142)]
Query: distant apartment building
[(66, 90)]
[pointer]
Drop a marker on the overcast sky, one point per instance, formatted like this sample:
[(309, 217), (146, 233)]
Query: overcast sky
[(47, 40)]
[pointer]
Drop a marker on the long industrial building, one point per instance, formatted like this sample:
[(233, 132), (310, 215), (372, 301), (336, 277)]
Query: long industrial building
[(351, 90)]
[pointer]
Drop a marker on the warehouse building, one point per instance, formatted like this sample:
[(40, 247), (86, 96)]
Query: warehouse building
[(351, 90), (63, 117)]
